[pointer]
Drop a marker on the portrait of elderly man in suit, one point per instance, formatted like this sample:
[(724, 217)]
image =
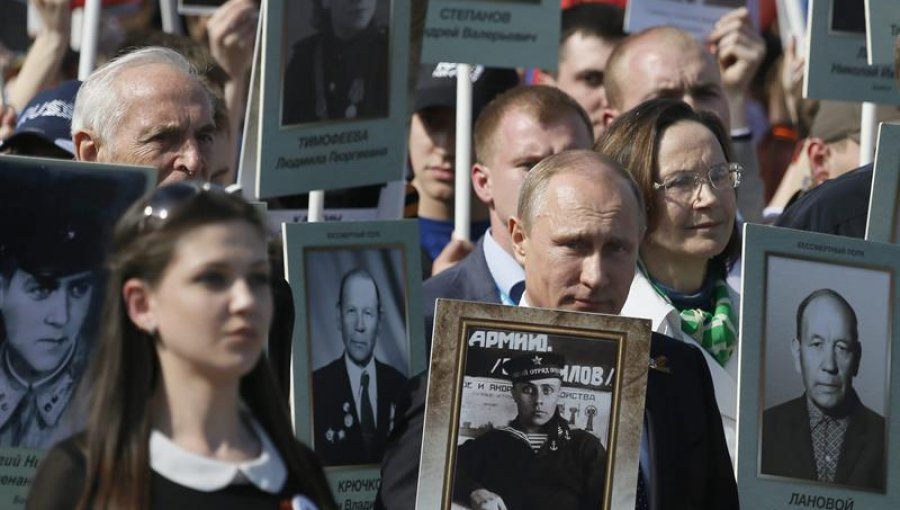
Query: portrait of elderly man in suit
[(354, 395), (827, 434)]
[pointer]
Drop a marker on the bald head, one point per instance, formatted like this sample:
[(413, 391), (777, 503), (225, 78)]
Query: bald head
[(826, 350), (664, 62)]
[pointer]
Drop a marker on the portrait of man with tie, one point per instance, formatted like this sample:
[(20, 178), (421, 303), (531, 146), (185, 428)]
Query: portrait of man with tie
[(827, 434), (354, 396)]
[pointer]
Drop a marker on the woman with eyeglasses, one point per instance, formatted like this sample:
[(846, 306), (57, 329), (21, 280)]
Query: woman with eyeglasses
[(182, 409), (682, 160)]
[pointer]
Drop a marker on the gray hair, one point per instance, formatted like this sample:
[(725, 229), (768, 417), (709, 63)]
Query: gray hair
[(97, 105)]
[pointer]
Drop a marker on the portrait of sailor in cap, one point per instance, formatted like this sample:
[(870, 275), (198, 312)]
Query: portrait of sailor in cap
[(537, 460), (50, 253)]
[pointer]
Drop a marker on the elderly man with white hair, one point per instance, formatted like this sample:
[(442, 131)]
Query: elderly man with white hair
[(147, 107)]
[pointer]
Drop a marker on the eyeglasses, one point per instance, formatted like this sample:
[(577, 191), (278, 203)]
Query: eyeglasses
[(684, 185), (166, 200)]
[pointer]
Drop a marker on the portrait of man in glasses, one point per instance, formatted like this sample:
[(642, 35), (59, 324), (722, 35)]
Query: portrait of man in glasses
[(826, 434), (354, 399)]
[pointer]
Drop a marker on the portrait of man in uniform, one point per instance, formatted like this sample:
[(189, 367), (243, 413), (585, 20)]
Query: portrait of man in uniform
[(340, 70), (537, 460), (53, 233), (827, 434), (354, 395)]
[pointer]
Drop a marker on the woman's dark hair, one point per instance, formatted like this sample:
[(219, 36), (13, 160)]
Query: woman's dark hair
[(633, 141), (125, 372)]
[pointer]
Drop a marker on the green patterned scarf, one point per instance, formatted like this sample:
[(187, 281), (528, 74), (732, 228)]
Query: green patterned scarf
[(715, 330)]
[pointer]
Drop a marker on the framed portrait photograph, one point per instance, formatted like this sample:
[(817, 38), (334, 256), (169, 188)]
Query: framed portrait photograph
[(327, 107), (837, 64), (358, 337), (56, 220), (883, 223), (532, 406), (496, 33), (816, 364)]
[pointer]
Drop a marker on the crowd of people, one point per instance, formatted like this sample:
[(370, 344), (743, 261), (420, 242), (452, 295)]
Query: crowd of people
[(616, 183)]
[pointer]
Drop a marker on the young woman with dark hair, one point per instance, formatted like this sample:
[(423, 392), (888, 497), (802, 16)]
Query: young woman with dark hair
[(182, 409)]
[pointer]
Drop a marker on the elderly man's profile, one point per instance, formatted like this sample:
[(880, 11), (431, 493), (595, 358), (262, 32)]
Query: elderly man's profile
[(354, 395), (827, 434), (537, 460), (340, 71)]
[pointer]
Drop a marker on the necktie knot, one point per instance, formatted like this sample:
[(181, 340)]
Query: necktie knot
[(364, 380)]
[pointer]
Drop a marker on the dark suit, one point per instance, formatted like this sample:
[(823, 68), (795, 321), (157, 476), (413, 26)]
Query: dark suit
[(338, 438), (689, 462), (469, 280), (787, 448), (838, 206)]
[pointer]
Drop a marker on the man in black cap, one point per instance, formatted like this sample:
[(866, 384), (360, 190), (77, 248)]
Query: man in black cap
[(432, 157), (536, 461)]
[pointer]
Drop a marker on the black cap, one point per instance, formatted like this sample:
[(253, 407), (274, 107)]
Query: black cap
[(436, 85), (55, 226), (534, 365)]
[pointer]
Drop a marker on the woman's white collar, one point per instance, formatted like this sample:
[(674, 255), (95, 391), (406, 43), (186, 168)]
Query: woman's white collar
[(267, 472)]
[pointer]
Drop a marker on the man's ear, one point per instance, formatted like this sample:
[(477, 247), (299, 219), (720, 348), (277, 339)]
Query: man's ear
[(818, 153), (519, 239), (542, 77), (795, 354), (482, 184), (609, 114), (87, 146), (857, 359), (139, 304)]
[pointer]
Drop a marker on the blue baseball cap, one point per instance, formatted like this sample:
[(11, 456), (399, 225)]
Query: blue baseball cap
[(47, 117)]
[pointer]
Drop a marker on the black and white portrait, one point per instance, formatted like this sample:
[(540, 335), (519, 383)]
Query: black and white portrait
[(336, 54), (848, 16), (359, 350), (826, 379), (54, 229), (534, 420)]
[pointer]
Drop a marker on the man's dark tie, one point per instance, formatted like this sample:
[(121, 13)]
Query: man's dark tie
[(515, 293), (367, 417)]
